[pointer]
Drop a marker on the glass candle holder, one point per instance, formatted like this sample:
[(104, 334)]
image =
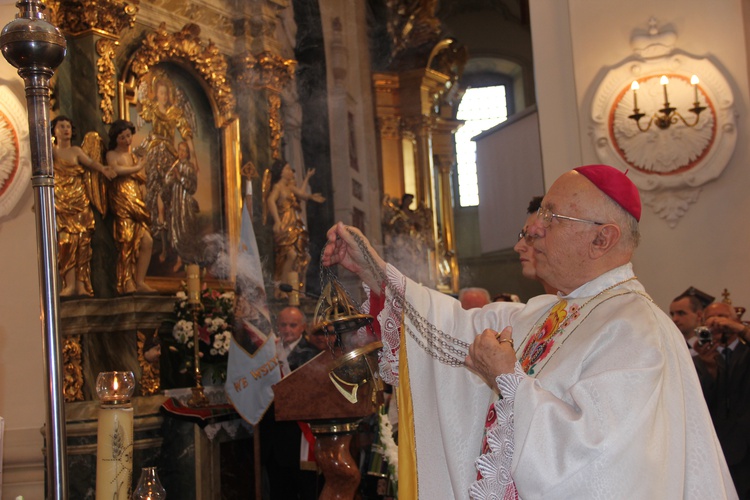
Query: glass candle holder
[(149, 487), (114, 445)]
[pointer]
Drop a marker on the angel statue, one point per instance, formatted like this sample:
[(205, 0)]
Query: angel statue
[(133, 239), (290, 238), (165, 106), (77, 183)]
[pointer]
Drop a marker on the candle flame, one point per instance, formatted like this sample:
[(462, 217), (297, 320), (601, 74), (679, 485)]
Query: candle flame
[(634, 85), (694, 80), (115, 384), (664, 80)]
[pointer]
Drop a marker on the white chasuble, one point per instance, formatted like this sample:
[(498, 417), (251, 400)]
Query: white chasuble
[(614, 410)]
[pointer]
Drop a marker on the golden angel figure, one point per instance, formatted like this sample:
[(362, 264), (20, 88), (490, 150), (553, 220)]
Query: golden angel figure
[(290, 236), (131, 233), (73, 169)]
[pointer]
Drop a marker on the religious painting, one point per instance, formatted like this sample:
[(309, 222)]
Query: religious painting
[(185, 187)]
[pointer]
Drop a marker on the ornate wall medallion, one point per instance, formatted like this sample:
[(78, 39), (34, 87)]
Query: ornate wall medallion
[(15, 162), (653, 128)]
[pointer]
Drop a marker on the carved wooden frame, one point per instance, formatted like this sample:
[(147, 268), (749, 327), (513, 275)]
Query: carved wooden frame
[(185, 52)]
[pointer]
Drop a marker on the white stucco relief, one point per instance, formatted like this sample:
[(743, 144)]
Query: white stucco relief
[(668, 165), (15, 163)]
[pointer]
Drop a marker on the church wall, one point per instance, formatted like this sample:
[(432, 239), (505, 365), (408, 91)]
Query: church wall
[(709, 246), (22, 379), (351, 112)]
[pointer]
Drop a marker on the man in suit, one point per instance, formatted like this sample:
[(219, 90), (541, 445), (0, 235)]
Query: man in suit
[(724, 370)]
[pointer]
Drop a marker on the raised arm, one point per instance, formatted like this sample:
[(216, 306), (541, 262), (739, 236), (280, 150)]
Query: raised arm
[(301, 191), (348, 247)]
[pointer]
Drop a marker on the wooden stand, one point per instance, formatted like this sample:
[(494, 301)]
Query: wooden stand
[(308, 394)]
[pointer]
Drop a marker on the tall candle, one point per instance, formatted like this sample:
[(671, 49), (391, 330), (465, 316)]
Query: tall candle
[(694, 82), (293, 279), (193, 283), (114, 442), (664, 82), (634, 87)]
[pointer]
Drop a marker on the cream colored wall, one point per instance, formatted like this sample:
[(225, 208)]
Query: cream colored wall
[(22, 381), (710, 247)]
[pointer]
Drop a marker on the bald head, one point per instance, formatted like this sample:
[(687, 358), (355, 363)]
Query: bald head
[(720, 309), (290, 323), (474, 297)]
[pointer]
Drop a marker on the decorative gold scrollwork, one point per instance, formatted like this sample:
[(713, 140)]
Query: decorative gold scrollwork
[(270, 72), (72, 369), (79, 16), (106, 76), (149, 362), (186, 45)]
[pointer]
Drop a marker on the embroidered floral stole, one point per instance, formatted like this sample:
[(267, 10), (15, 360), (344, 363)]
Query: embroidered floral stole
[(544, 340)]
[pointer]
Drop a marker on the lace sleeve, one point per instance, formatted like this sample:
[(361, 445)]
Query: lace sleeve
[(493, 467), (390, 319)]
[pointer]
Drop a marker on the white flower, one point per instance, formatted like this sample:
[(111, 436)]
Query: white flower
[(221, 343), (390, 448), (182, 331)]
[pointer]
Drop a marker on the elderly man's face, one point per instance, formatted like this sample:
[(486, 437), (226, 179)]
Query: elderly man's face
[(561, 251), (290, 324)]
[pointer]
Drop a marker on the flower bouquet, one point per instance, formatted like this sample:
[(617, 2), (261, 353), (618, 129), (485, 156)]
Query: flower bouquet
[(215, 320)]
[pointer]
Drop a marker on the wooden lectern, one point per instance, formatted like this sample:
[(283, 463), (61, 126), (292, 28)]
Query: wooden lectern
[(333, 392)]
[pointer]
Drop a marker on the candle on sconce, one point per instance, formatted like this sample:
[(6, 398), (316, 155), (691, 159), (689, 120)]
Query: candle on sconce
[(664, 81), (193, 283), (114, 441), (634, 87), (694, 82)]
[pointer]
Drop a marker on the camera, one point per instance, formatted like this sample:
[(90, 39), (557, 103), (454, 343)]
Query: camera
[(704, 335)]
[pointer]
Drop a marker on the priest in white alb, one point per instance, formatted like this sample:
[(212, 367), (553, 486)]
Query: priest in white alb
[(590, 393)]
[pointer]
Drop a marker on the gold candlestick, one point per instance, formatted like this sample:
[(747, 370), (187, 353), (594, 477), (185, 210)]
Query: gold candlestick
[(194, 300)]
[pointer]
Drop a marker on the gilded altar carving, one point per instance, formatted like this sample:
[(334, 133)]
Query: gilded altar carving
[(79, 16), (412, 24), (149, 350), (269, 72), (187, 45), (72, 368), (106, 76)]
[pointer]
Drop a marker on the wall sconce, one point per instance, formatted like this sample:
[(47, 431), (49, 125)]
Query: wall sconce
[(671, 161), (666, 115)]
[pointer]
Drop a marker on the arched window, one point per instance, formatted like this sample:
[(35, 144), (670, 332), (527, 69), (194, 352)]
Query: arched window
[(481, 109)]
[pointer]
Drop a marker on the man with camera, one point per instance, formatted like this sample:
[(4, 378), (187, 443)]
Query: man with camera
[(723, 365), (686, 310)]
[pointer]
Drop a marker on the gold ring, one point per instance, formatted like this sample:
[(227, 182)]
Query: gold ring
[(510, 341)]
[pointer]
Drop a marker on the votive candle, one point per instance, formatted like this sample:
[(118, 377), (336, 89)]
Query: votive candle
[(114, 442)]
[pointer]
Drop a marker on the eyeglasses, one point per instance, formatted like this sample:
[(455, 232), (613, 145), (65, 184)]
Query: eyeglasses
[(528, 238), (545, 215)]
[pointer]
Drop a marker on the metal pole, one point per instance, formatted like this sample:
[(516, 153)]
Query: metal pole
[(36, 48)]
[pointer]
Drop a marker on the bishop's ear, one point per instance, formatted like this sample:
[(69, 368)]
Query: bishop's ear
[(606, 239)]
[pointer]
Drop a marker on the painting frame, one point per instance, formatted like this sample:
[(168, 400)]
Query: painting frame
[(216, 138)]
